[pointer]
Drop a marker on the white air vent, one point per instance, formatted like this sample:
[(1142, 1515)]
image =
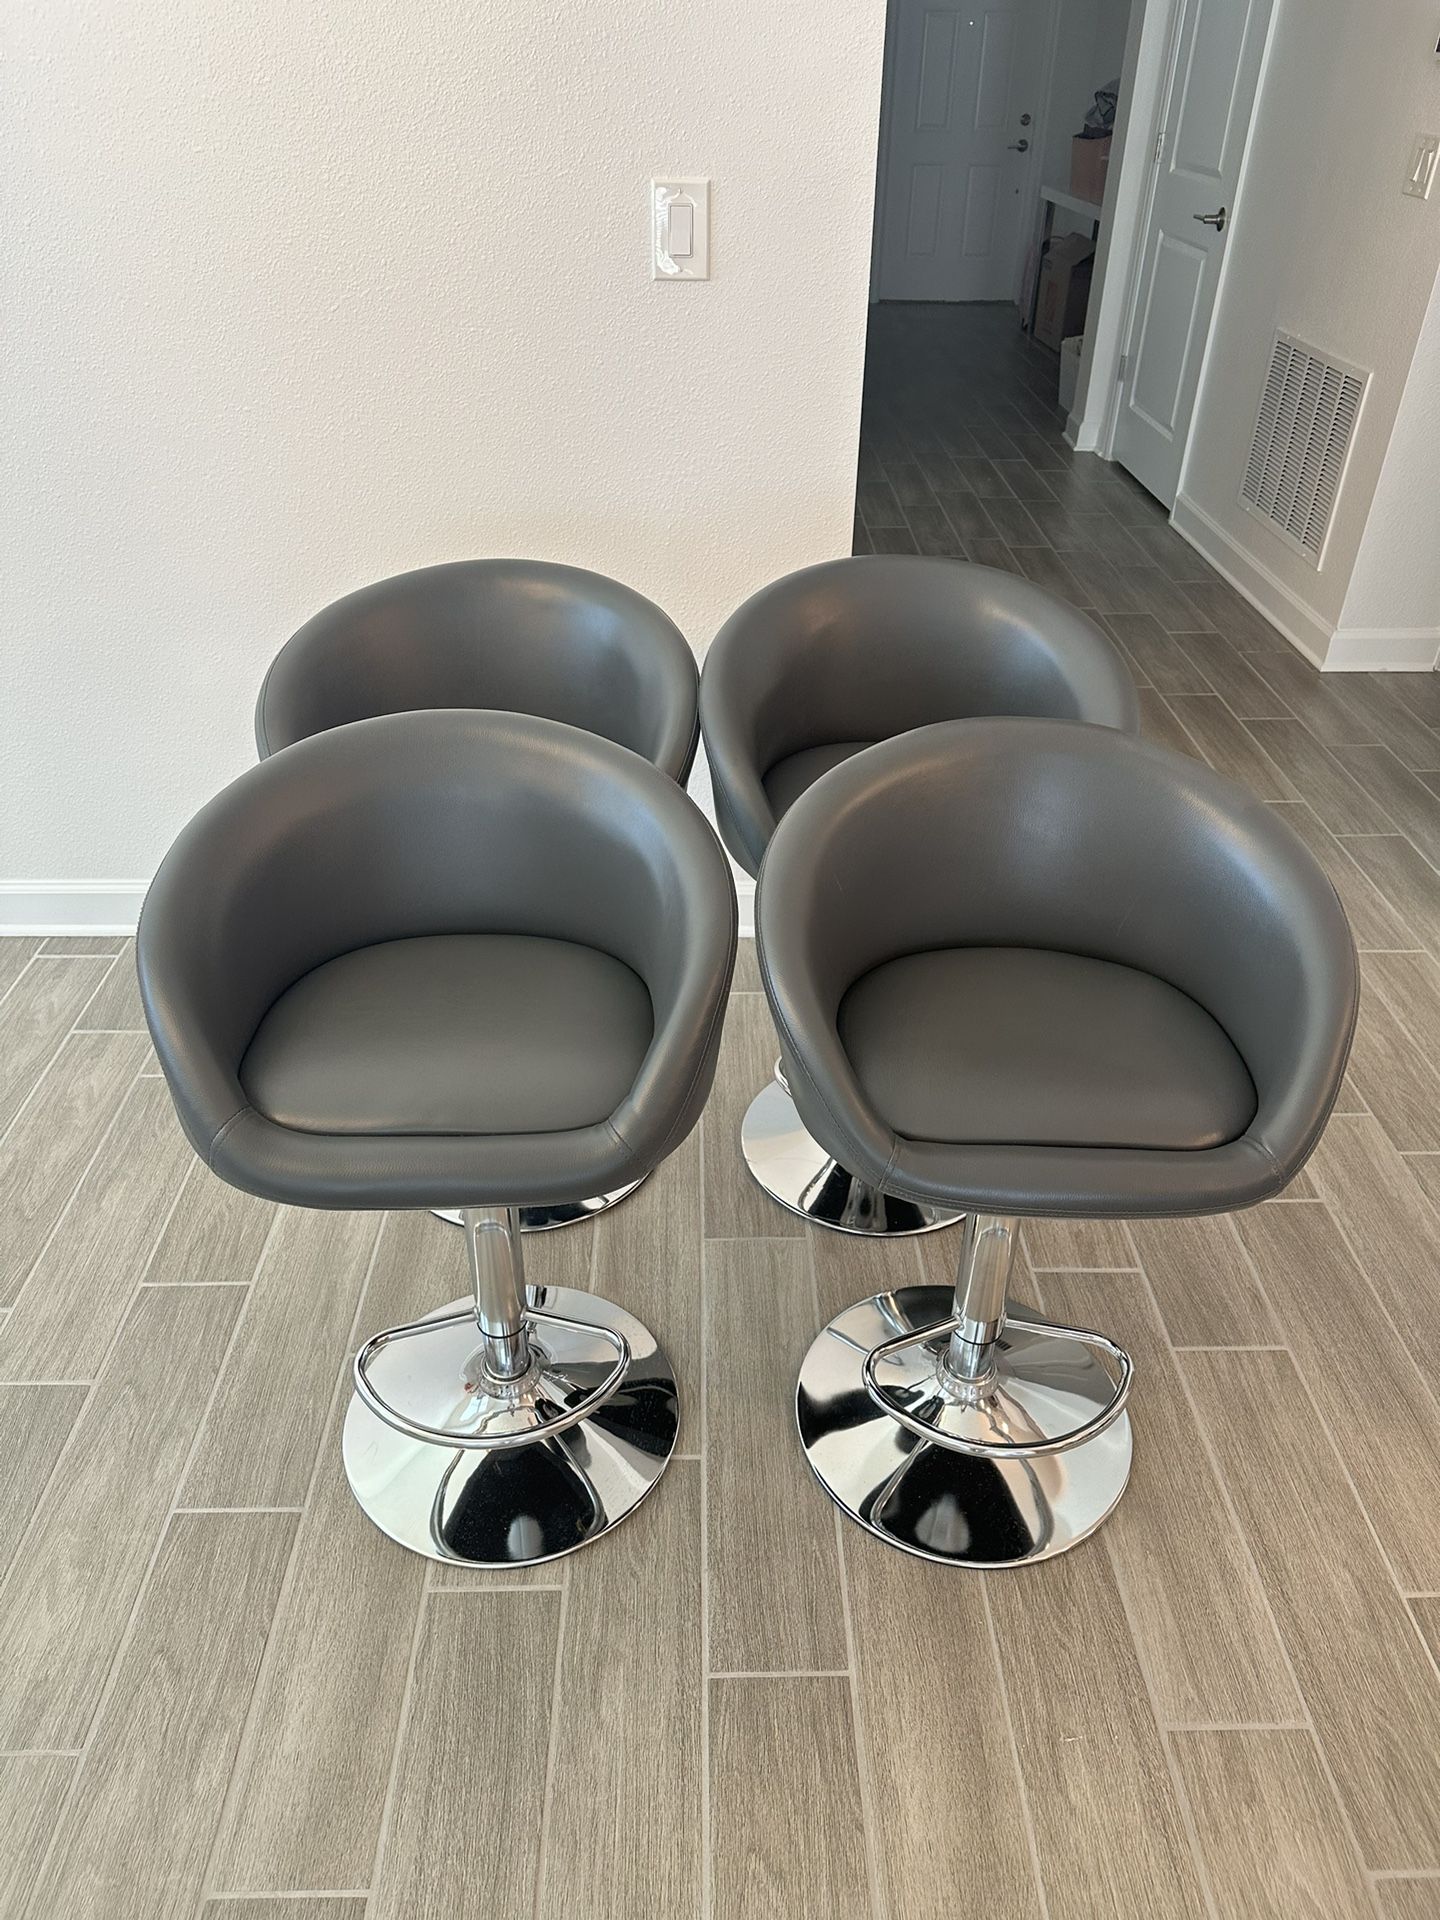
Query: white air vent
[(1302, 440)]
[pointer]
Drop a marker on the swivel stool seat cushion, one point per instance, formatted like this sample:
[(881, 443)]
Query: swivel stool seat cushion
[(520, 636), (1107, 982), (456, 959), (821, 665)]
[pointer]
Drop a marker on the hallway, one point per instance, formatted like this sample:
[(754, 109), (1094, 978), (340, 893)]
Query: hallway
[(962, 452)]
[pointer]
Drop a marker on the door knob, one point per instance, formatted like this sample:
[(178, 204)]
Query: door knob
[(1019, 146), (1216, 220)]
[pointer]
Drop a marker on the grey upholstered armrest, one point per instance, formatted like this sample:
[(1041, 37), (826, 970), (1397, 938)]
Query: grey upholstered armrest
[(865, 648), (524, 636), (1032, 833), (434, 823)]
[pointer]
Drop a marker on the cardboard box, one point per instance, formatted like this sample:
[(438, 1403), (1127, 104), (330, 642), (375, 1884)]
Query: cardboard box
[(1089, 160), (1064, 288)]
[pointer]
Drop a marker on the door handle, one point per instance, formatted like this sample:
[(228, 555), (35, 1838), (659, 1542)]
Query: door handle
[(1019, 146), (1216, 220)]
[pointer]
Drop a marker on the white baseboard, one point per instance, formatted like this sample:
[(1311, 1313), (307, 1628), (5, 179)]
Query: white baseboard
[(1253, 581), (113, 906), (1384, 650), (70, 906)]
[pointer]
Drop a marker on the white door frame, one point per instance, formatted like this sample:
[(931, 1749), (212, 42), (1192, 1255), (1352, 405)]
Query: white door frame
[(1149, 57)]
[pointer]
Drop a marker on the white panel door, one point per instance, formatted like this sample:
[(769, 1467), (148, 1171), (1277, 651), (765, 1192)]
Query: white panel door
[(1209, 104), (950, 218)]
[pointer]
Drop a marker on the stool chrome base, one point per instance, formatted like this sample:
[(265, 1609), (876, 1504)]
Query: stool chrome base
[(514, 1505), (960, 1508), (796, 1170), (565, 1213)]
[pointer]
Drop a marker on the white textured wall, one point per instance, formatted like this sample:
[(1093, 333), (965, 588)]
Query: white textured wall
[(300, 293), (1327, 247), (1395, 586)]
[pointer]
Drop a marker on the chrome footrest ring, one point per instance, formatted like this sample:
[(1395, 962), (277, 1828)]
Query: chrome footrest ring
[(545, 1429), (1001, 1449)]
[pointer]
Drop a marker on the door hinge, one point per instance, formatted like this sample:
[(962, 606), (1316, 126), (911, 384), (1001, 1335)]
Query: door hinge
[(1159, 146), (1124, 366)]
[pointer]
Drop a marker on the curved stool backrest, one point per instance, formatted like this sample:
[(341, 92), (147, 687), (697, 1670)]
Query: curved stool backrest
[(869, 647), (519, 636), (1036, 834), (413, 825)]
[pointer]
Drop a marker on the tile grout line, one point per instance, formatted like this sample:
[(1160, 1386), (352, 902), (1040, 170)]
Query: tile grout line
[(6, 992), (44, 1074), (63, 1452), (245, 1743), (1243, 1536), (707, 1894), (791, 1673), (100, 986), (1237, 1726), (1342, 1233), (547, 1792), (1177, 1785), (310, 1893), (122, 1647), (73, 1194), (1324, 1424), (235, 1510), (874, 1875), (1026, 1812), (402, 1727)]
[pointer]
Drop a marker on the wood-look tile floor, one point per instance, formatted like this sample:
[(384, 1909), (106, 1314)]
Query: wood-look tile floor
[(224, 1696)]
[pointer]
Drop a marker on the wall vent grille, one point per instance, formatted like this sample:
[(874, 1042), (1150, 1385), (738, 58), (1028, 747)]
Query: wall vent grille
[(1302, 440)]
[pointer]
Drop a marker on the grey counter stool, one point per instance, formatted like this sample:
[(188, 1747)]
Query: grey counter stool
[(824, 663), (524, 636), (470, 960), (1105, 982)]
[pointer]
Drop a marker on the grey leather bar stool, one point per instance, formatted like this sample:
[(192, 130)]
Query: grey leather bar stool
[(1105, 982), (471, 960), (522, 636), (819, 666)]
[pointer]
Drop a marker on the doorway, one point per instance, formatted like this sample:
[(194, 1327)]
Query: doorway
[(1031, 150), (962, 92)]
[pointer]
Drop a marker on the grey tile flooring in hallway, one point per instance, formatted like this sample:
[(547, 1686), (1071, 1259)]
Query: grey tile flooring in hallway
[(225, 1696)]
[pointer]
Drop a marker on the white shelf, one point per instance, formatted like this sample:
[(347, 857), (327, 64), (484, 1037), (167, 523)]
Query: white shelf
[(1072, 203)]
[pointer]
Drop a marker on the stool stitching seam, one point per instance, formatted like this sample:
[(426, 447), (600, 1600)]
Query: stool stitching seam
[(716, 1020), (221, 1133)]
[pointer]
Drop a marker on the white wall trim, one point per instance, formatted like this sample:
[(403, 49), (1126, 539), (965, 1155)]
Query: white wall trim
[(1384, 650), (1254, 581), (1332, 649), (113, 906), (70, 906)]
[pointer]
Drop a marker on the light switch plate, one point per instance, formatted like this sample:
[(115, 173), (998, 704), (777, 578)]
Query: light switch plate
[(1420, 174), (670, 259)]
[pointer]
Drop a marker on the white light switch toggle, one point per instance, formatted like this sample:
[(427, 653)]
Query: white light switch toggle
[(1421, 175), (680, 229)]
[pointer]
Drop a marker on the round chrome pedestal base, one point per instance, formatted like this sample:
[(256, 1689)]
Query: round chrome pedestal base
[(957, 1507), (515, 1505), (565, 1213), (797, 1171)]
